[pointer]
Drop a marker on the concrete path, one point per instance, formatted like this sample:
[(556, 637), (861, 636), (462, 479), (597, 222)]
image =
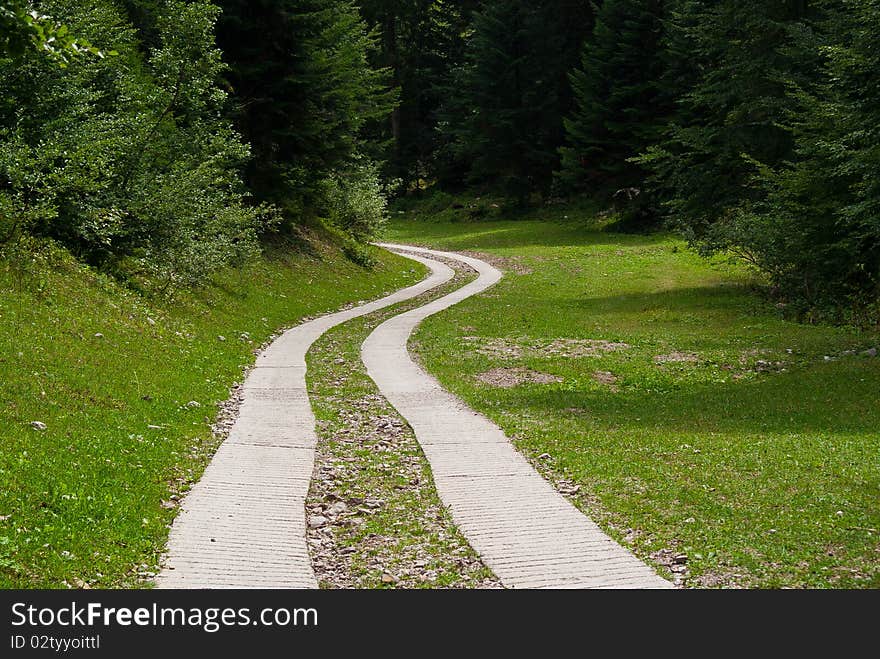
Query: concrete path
[(243, 525), (524, 530)]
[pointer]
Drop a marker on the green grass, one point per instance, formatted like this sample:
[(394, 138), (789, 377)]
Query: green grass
[(759, 458), (81, 503)]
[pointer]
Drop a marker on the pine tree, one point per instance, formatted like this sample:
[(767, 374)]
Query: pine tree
[(422, 43), (620, 107), (304, 90), (731, 64), (509, 97), (818, 232)]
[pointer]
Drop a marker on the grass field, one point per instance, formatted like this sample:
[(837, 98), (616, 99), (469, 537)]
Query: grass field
[(722, 443), (127, 391)]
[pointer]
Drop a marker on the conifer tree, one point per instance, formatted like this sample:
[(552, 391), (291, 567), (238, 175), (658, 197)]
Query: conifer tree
[(509, 97), (818, 232), (304, 90), (422, 43), (620, 108), (732, 63)]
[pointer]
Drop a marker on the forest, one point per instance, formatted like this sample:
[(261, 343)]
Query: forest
[(430, 294), (161, 140)]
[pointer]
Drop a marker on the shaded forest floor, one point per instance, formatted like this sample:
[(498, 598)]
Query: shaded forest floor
[(724, 444)]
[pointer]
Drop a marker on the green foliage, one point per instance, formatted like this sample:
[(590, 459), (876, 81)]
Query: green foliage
[(422, 43), (355, 200), (506, 115), (818, 231), (731, 64), (769, 155), (23, 29), (620, 105), (127, 162), (303, 91)]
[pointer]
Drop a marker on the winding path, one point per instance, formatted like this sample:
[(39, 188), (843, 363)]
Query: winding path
[(243, 524), (524, 530)]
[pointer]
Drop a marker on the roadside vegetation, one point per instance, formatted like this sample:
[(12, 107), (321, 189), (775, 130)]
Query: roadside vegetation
[(675, 407), (108, 398)]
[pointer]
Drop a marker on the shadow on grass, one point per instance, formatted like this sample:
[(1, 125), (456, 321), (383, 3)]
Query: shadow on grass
[(721, 297), (506, 234), (823, 398)]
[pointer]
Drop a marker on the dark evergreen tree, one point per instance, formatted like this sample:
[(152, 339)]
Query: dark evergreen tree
[(421, 43), (505, 115), (818, 232), (620, 105), (304, 90), (732, 63)]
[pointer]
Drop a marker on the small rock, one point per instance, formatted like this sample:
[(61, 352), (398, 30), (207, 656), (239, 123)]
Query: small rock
[(544, 456), (221, 338), (244, 336), (871, 352), (193, 404), (689, 520), (317, 521), (168, 505), (337, 508), (389, 578), (38, 425), (680, 559), (99, 335), (150, 321), (839, 513)]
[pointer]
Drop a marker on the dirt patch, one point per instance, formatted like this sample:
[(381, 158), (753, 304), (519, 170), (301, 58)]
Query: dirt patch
[(507, 378), (748, 356), (512, 264), (607, 378), (566, 348), (677, 358)]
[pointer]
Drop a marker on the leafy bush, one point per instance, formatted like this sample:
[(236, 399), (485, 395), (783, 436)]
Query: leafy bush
[(126, 159), (356, 200)]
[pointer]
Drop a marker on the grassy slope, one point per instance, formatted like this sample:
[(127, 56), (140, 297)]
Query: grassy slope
[(764, 474), (82, 502)]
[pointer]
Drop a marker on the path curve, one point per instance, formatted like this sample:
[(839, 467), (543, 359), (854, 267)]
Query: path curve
[(527, 533), (243, 524)]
